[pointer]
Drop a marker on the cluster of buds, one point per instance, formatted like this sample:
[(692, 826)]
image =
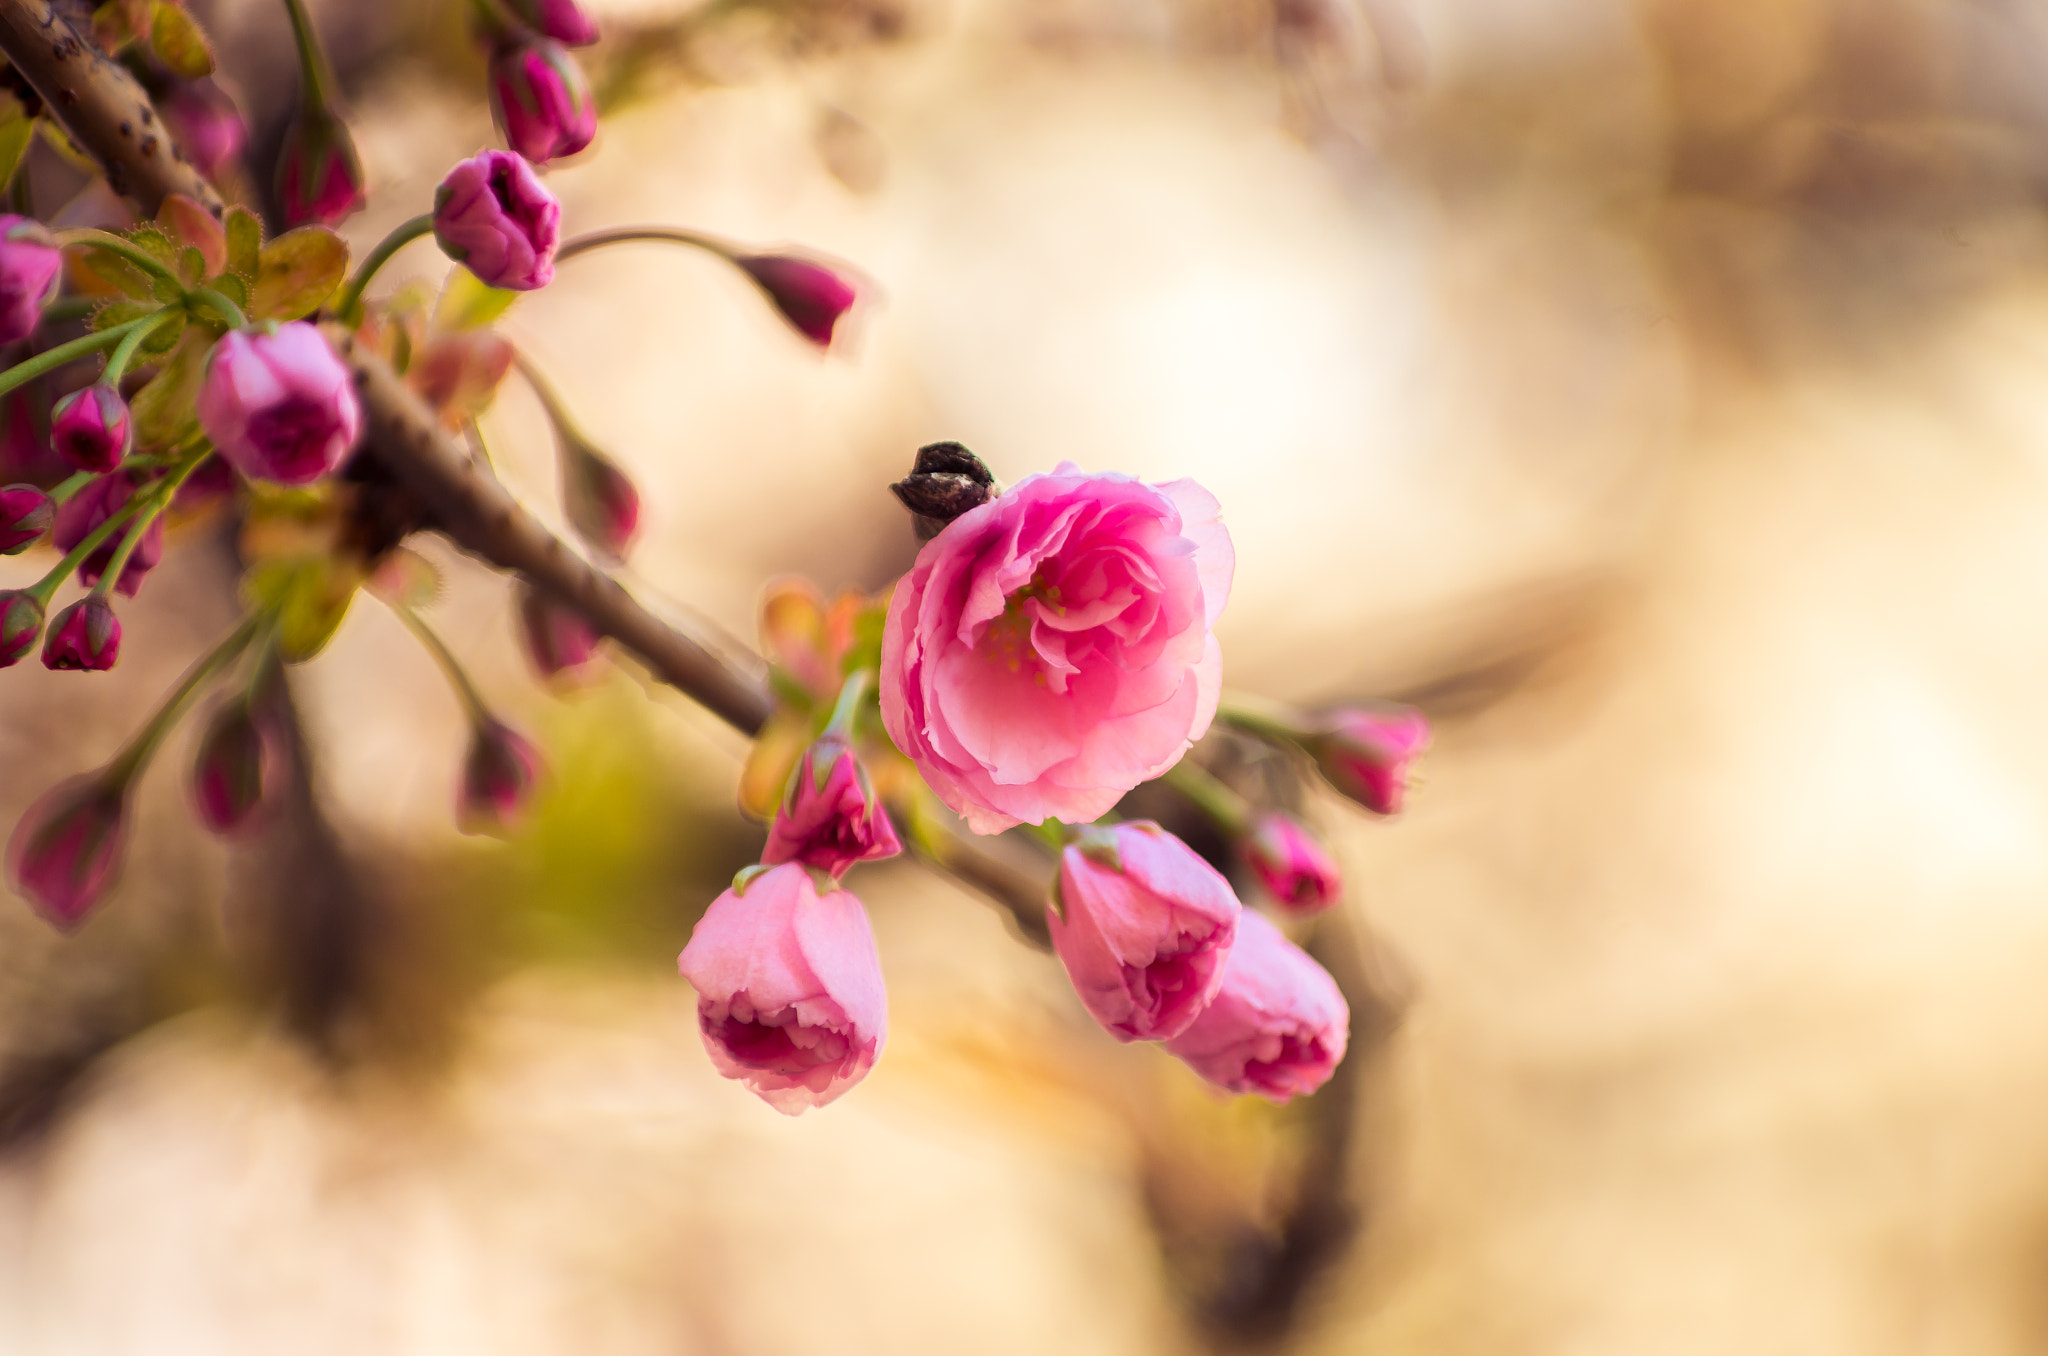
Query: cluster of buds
[(539, 95)]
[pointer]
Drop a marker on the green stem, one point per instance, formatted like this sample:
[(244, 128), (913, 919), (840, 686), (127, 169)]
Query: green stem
[(127, 249), (124, 352), (851, 694), (313, 77), (77, 481), (74, 307), (156, 499), (401, 235), (1055, 833), (1269, 721), (49, 360), (450, 665), (1231, 812), (136, 755), (625, 235), (222, 306), (46, 588), (550, 402)]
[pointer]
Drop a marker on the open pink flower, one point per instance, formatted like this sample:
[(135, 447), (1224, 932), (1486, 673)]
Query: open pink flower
[(830, 818), (1277, 1026), (789, 992), (1051, 649), (1143, 925), (493, 215)]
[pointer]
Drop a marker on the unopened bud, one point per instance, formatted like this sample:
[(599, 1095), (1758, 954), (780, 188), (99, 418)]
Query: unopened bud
[(541, 100), (559, 641), (498, 777), (29, 268), (319, 175), (85, 636), (946, 481), (810, 296), (1369, 753), (830, 817), (229, 776), (66, 850), (21, 621), (598, 498), (25, 515), (563, 20), (1295, 869), (208, 126), (91, 428)]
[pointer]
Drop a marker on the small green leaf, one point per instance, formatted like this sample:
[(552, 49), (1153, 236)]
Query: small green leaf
[(296, 272), (163, 408), (190, 224), (119, 273), (165, 337), (234, 287), (405, 578), (191, 266), (17, 130), (245, 240), (120, 313), (467, 304), (63, 145), (310, 597), (179, 41), (156, 240)]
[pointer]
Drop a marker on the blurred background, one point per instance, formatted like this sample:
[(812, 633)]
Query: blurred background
[(1652, 390)]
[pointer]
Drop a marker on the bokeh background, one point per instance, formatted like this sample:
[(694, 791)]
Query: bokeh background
[(1652, 390)]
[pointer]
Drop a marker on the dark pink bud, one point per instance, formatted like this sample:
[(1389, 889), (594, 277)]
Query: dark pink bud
[(810, 296), (1295, 869), (85, 635), (541, 101), (26, 513), (90, 428), (498, 778), (29, 267), (1369, 753), (1278, 1024), (25, 451), (830, 817), (207, 125), (230, 774), (557, 639), (212, 481), (67, 849), (319, 176), (278, 403), (21, 621), (92, 506), (599, 499), (562, 20), (493, 215), (1143, 925)]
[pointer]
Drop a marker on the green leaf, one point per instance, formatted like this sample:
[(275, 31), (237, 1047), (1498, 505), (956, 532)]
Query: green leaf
[(60, 142), (16, 132), (156, 240), (190, 224), (119, 273), (296, 272), (179, 41), (165, 337), (310, 597), (191, 266), (405, 578), (467, 304), (234, 287), (120, 313), (245, 240), (163, 408)]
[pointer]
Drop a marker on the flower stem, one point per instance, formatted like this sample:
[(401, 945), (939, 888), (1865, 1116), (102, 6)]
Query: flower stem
[(46, 588), (135, 756), (49, 360), (348, 307), (221, 306), (1269, 721), (1231, 812), (127, 249), (71, 485), (848, 709), (458, 676), (313, 77), (155, 499), (625, 235), (124, 352)]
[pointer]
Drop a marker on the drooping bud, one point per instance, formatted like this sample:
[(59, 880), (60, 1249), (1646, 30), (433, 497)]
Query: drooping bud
[(1295, 869), (232, 769), (84, 636), (91, 428), (498, 778), (944, 482), (599, 498), (29, 267), (207, 125), (830, 817), (562, 20), (92, 506), (1143, 925), (558, 640), (26, 513), (494, 216), (810, 296), (278, 404), (1278, 1024), (541, 101), (21, 621), (319, 175), (1369, 753), (66, 851)]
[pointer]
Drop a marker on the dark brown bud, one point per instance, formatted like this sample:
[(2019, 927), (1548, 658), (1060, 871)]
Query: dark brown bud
[(946, 481)]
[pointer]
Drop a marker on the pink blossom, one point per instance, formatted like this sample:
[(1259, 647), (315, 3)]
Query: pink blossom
[(278, 404), (26, 513), (789, 992), (85, 635), (1295, 869), (29, 267), (1369, 753), (498, 779), (1143, 925), (1051, 649), (1277, 1026), (493, 216), (541, 101), (830, 818), (21, 622), (810, 296), (91, 429), (66, 851), (90, 507)]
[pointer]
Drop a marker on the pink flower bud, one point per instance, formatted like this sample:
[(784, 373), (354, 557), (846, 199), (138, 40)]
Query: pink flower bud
[(810, 296), (1369, 753), (90, 428), (85, 635), (319, 175), (206, 124), (541, 102), (789, 992), (92, 506), (557, 639), (599, 499), (1277, 1026), (493, 215), (67, 849), (26, 513), (498, 777), (830, 817), (230, 774), (1143, 925), (25, 451), (562, 20), (278, 404), (21, 621), (1295, 869), (210, 482), (29, 267)]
